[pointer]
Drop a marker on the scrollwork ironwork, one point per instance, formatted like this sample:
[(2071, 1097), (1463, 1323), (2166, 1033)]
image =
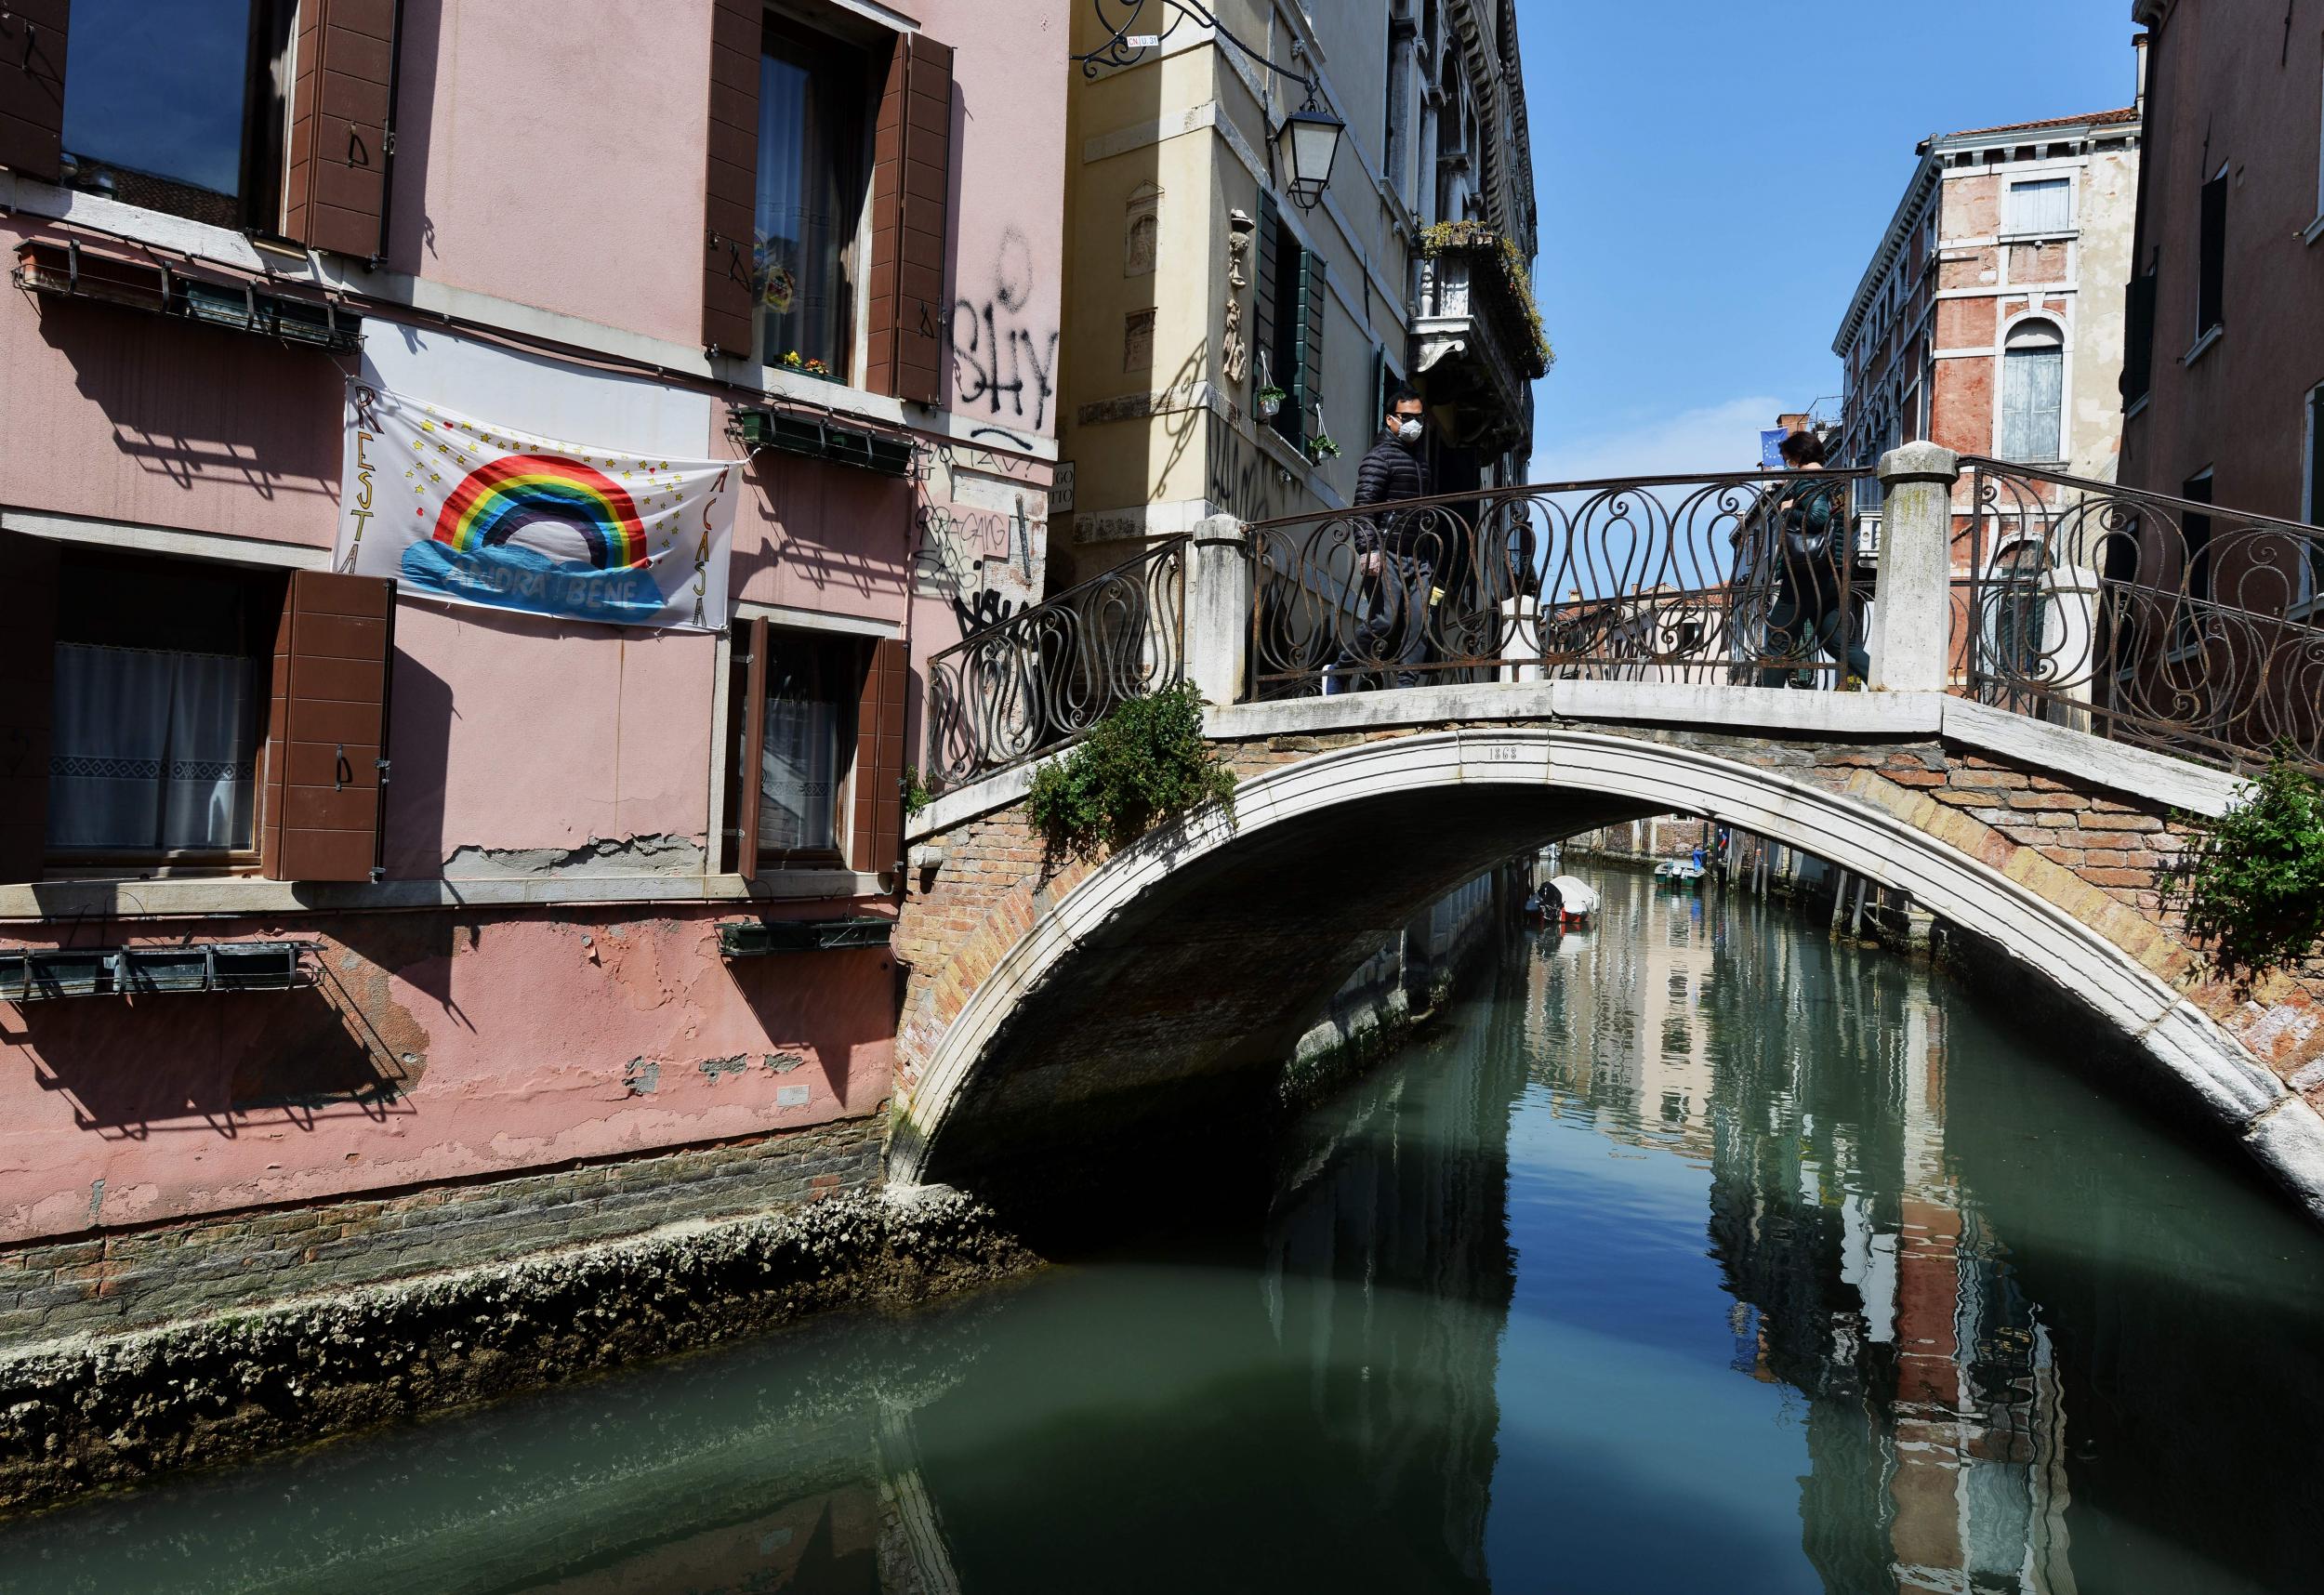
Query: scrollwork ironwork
[(1726, 579), (1044, 676), (2191, 628)]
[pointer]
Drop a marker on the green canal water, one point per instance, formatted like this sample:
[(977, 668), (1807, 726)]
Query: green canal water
[(1690, 1254)]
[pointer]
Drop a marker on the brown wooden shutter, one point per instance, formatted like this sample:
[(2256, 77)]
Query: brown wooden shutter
[(730, 183), (28, 665), (335, 185), (31, 86), (754, 748), (879, 760), (911, 188), (328, 731)]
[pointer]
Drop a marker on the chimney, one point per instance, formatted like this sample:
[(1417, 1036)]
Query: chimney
[(2138, 49)]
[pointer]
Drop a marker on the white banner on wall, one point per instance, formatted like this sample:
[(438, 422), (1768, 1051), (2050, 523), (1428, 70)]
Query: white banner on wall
[(488, 514)]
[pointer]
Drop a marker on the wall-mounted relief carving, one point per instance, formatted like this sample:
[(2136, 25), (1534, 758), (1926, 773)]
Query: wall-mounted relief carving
[(1141, 231), (1234, 349), (1138, 341)]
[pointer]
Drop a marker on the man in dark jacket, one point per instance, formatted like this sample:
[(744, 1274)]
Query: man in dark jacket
[(1810, 615), (1396, 555)]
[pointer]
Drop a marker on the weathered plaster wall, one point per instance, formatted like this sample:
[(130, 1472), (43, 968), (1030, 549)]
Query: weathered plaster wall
[(113, 413), (435, 1048), (512, 733), (520, 169), (1011, 80)]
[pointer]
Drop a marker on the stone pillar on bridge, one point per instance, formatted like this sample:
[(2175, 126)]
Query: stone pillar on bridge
[(1913, 609), (1218, 607)]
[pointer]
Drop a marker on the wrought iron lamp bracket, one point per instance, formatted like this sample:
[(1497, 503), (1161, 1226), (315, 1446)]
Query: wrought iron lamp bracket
[(1127, 43)]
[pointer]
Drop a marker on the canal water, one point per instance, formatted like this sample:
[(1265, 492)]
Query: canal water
[(1692, 1253)]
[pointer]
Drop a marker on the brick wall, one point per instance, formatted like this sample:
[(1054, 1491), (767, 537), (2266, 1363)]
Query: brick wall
[(113, 1282)]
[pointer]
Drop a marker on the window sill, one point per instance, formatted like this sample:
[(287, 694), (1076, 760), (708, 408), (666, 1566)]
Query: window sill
[(2314, 231), (2137, 405), (2063, 235), (204, 896), (2203, 345)]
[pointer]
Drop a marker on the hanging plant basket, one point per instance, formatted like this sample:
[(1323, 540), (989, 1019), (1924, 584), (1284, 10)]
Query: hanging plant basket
[(1267, 403)]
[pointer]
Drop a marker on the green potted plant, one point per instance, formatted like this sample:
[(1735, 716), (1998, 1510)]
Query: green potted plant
[(1268, 403), (1321, 448), (807, 366)]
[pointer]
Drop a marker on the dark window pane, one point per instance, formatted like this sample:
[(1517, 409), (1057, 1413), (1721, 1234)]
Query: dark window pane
[(157, 705), (808, 705), (160, 91), (2212, 258), (812, 94)]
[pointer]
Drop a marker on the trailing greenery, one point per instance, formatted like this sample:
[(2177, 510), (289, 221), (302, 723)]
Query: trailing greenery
[(915, 791), (2253, 882), (1145, 762), (1459, 237)]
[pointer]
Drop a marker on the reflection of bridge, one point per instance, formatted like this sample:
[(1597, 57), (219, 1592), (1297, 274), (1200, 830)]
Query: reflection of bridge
[(1050, 1005)]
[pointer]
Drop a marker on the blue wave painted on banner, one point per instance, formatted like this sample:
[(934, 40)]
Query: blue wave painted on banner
[(505, 576)]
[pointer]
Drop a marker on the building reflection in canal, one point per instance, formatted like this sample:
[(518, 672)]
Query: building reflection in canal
[(1568, 1294)]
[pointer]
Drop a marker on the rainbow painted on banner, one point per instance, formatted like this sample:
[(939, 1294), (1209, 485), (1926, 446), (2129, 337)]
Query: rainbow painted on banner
[(494, 502)]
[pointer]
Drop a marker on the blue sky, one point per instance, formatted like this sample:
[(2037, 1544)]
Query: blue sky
[(1713, 177)]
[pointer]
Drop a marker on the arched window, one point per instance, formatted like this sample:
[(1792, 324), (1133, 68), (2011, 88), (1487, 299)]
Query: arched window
[(2033, 393)]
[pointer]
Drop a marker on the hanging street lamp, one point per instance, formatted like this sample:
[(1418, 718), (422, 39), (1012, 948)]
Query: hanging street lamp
[(1308, 142)]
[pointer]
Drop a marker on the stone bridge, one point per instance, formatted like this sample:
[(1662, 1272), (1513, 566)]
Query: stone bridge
[(1054, 1008), (1051, 1007)]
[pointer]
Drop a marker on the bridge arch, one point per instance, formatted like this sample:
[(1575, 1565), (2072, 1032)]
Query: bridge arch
[(1188, 961)]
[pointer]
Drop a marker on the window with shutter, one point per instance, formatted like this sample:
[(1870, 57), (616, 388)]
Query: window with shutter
[(911, 189), (2033, 372), (814, 164), (817, 723), (328, 728), (194, 119), (1307, 384), (32, 35), (2138, 338), (2210, 263), (2043, 205), (342, 116)]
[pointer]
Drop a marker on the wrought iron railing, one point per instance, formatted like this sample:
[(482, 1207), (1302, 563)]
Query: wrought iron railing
[(1046, 673), (1748, 579), (2187, 627)]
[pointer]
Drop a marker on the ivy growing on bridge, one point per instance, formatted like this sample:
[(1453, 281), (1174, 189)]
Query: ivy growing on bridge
[(2253, 882), (1144, 762)]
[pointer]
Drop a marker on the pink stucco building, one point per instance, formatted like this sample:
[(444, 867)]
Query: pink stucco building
[(816, 241)]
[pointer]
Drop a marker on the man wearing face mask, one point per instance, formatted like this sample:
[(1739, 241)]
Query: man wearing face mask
[(1396, 554)]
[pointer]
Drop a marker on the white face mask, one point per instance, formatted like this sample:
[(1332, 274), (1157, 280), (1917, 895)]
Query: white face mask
[(1410, 432)]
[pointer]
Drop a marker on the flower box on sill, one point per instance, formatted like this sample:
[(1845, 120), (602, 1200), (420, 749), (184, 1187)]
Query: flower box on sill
[(33, 975), (753, 938), (67, 271), (815, 439)]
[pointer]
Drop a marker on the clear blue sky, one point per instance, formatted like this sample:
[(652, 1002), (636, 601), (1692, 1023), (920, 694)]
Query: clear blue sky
[(1713, 177)]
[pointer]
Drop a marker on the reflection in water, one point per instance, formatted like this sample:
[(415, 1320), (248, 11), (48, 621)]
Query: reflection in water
[(1696, 1254)]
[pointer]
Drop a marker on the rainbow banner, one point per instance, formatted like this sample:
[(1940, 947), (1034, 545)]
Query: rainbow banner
[(457, 509)]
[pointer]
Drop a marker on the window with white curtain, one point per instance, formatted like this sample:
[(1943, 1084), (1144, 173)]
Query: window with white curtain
[(811, 688), (814, 170), (2040, 205), (2033, 393), (158, 708)]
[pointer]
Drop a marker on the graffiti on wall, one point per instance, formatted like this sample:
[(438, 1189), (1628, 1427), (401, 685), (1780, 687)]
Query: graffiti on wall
[(1000, 358), (982, 523), (1243, 476)]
